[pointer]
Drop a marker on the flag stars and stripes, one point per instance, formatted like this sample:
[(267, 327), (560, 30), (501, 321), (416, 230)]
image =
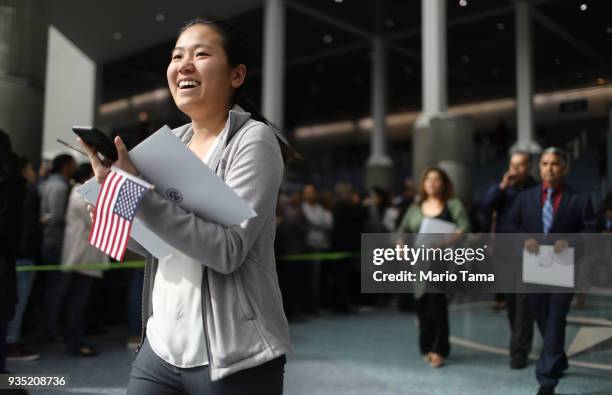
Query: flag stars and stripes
[(115, 210)]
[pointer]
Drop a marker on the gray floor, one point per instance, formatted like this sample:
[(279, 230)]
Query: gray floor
[(373, 352)]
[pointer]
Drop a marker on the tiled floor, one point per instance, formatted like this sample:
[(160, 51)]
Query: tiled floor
[(375, 352)]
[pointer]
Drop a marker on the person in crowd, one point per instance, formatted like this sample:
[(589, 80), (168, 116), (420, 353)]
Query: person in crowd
[(404, 200), (380, 217), (401, 203), (134, 299), (499, 199), (54, 193), (28, 255), (436, 201), (604, 218), (77, 251), (348, 219), (291, 232), (319, 225), (12, 191), (213, 315), (550, 208)]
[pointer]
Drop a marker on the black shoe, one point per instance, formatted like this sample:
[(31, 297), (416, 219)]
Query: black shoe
[(546, 390), (17, 352), (518, 362), (85, 351)]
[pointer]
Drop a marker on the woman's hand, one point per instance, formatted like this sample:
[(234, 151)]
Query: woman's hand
[(101, 169), (92, 212)]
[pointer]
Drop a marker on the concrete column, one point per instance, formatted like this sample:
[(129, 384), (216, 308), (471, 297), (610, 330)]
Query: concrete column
[(608, 186), (273, 91), (379, 164), (524, 80), (22, 40), (438, 138), (70, 94), (434, 68)]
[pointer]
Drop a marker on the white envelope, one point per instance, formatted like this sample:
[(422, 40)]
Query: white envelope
[(433, 231), (548, 268)]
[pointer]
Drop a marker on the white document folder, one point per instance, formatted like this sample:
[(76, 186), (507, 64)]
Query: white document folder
[(548, 268), (179, 176), (182, 178), (433, 231)]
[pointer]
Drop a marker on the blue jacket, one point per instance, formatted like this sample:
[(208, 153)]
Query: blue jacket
[(501, 201), (574, 215)]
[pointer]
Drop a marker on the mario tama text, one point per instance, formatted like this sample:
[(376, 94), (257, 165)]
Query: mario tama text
[(433, 276)]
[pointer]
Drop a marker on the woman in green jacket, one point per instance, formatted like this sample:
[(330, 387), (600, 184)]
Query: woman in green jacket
[(436, 201)]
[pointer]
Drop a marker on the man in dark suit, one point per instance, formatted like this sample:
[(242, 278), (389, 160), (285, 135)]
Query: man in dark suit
[(499, 198), (550, 208)]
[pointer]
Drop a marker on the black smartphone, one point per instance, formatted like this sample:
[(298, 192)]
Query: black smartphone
[(98, 140)]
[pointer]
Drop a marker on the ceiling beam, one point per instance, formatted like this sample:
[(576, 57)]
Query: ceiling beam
[(566, 36), (463, 20), (329, 19), (349, 48), (456, 22)]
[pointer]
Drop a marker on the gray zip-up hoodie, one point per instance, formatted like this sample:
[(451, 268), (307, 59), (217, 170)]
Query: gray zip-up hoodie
[(243, 316)]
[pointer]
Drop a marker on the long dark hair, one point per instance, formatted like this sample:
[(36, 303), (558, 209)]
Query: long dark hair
[(238, 51), (448, 190)]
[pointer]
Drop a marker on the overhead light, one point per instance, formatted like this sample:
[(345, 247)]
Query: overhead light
[(462, 3), (160, 17), (117, 36), (328, 39), (501, 26), (583, 7), (338, 1)]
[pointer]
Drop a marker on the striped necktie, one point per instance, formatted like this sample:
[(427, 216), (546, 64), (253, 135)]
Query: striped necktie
[(547, 210)]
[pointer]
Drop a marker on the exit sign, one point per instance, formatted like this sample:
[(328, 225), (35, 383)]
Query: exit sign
[(574, 106)]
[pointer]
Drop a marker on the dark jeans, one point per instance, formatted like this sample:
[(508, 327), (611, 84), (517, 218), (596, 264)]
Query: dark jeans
[(152, 375), (135, 303), (76, 293), (432, 310), (520, 318), (54, 284), (24, 286), (550, 311), (291, 281)]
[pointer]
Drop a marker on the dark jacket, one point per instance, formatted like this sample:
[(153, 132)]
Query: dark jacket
[(574, 215), (11, 195), (501, 201), (31, 233), (348, 222)]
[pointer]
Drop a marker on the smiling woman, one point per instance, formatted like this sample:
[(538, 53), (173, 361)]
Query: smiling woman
[(213, 320)]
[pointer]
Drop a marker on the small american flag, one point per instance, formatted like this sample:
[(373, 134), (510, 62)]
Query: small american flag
[(115, 210)]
